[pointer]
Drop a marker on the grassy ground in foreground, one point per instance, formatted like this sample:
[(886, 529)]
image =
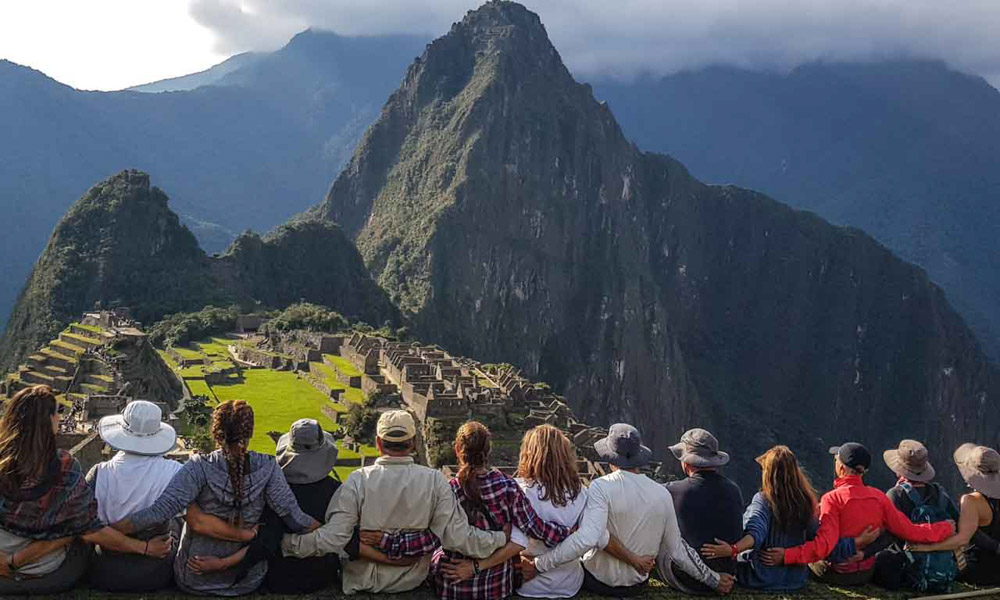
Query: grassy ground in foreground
[(278, 398), (657, 591)]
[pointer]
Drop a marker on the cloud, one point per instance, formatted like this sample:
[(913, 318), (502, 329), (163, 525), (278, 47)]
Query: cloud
[(620, 38)]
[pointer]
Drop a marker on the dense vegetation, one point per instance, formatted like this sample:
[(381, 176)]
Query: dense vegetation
[(181, 328), (121, 245), (310, 317)]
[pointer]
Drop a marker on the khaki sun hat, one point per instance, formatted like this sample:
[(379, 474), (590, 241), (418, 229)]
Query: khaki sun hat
[(909, 461), (980, 468)]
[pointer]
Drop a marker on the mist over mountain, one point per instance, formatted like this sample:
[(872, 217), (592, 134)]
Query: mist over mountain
[(504, 211), (120, 244), (247, 152)]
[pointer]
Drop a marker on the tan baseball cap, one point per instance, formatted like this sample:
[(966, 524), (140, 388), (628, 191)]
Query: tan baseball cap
[(396, 426)]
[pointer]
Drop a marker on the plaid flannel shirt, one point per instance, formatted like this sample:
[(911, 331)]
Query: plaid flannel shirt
[(506, 504)]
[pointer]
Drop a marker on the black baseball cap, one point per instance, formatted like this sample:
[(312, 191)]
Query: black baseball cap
[(853, 455)]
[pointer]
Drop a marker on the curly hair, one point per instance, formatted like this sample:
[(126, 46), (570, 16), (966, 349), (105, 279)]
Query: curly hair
[(472, 447), (27, 442), (787, 489), (548, 459), (232, 428)]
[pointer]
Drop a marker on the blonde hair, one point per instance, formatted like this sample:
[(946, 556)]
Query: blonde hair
[(548, 459)]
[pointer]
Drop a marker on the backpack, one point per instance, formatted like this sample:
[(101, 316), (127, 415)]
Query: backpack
[(929, 571)]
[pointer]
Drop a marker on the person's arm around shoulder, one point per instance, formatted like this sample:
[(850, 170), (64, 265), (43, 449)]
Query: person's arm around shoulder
[(281, 500), (451, 525), (211, 526), (673, 549), (11, 563), (111, 539), (178, 495), (968, 524), (902, 527), (822, 543), (342, 516), (592, 531)]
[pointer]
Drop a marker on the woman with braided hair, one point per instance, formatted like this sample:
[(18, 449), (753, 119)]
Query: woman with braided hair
[(492, 501), (234, 485)]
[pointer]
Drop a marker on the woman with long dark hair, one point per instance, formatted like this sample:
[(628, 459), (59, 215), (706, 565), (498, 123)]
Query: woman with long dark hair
[(233, 484), (492, 501), (46, 504), (782, 514)]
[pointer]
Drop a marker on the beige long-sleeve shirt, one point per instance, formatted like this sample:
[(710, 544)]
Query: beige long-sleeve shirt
[(394, 494), (640, 513)]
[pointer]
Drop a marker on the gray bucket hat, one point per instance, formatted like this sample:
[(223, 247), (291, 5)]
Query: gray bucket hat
[(909, 461), (980, 468), (623, 447), (306, 454), (699, 448)]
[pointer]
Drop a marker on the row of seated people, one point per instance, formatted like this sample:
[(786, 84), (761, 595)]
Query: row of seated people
[(251, 520)]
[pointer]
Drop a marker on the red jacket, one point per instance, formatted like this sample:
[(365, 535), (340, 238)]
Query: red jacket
[(847, 510)]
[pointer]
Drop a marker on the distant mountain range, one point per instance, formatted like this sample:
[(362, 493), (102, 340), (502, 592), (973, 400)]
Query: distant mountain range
[(502, 211), (906, 151), (249, 152)]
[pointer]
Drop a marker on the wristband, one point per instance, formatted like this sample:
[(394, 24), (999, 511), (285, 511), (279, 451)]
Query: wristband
[(475, 567), (734, 549), (10, 562)]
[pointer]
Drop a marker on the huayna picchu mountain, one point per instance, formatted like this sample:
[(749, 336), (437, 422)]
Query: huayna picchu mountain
[(121, 244), (502, 209)]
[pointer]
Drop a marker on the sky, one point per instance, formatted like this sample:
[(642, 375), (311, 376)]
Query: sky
[(111, 44)]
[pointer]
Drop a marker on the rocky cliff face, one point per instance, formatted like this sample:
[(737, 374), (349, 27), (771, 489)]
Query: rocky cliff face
[(121, 244), (503, 210)]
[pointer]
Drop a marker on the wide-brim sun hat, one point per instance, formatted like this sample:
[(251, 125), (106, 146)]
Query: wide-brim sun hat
[(909, 461), (699, 448), (138, 430), (623, 447), (980, 468), (306, 454)]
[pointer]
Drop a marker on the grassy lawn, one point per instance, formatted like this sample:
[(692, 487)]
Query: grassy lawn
[(194, 372), (215, 347), (345, 366), (330, 378), (198, 387), (167, 359), (278, 398), (187, 353), (90, 328)]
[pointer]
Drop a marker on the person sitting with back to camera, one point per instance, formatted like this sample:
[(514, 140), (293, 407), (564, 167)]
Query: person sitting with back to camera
[(847, 511)]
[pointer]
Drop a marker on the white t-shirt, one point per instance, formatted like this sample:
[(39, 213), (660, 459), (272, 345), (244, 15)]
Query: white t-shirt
[(130, 482), (566, 580)]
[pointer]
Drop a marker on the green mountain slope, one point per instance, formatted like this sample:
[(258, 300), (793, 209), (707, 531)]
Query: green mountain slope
[(500, 205), (121, 244)]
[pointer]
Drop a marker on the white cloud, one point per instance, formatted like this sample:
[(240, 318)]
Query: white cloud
[(105, 44), (624, 37)]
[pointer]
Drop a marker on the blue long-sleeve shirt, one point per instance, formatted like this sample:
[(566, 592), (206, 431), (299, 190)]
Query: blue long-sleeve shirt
[(758, 523)]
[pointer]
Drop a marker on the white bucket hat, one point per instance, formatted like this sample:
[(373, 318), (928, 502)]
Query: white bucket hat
[(138, 430)]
